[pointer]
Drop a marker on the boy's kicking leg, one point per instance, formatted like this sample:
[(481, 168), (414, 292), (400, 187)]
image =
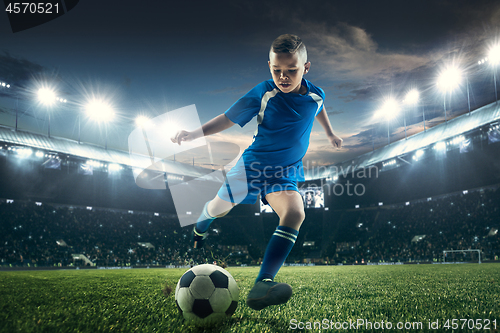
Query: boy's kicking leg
[(213, 209), (290, 209)]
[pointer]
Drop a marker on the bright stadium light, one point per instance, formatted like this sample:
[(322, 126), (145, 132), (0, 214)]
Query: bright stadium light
[(25, 152), (99, 110), (389, 110), (46, 96), (412, 97), (449, 79), (494, 55), (440, 146), (143, 121), (114, 167), (418, 154), (494, 59)]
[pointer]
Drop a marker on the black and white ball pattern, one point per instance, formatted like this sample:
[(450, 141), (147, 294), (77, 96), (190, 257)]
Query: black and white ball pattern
[(206, 294)]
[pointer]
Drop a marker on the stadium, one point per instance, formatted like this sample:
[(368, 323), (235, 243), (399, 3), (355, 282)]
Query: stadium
[(62, 182), (69, 205), (403, 237)]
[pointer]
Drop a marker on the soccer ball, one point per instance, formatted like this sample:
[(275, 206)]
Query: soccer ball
[(206, 294)]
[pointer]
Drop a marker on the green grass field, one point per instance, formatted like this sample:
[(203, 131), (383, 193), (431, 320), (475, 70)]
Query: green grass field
[(133, 301)]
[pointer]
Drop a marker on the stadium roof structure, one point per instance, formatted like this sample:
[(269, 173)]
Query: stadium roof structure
[(89, 151), (462, 124), (456, 126)]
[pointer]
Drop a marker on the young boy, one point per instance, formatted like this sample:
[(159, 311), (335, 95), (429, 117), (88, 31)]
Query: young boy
[(271, 166)]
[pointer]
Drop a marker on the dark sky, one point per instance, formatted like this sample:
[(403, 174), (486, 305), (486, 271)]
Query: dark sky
[(150, 57)]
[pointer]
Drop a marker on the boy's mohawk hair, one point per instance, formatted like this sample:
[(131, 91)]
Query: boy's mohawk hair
[(289, 44)]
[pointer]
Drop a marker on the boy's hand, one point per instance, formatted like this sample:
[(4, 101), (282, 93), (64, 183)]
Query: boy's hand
[(336, 141), (182, 136)]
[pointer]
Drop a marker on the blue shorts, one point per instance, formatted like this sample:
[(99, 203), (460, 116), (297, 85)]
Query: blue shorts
[(245, 182)]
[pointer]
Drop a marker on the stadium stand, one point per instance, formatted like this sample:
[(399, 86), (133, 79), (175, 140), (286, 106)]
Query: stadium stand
[(61, 198), (47, 236)]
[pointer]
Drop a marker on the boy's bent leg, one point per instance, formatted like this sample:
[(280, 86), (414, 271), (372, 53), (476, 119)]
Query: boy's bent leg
[(218, 207), (289, 207), (213, 209)]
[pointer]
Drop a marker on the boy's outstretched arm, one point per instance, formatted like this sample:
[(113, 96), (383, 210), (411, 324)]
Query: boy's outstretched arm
[(322, 118), (215, 125)]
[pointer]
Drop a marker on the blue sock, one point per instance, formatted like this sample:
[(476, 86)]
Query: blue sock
[(277, 251), (204, 220)]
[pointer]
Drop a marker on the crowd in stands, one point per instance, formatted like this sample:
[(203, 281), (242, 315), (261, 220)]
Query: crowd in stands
[(422, 231), (45, 235)]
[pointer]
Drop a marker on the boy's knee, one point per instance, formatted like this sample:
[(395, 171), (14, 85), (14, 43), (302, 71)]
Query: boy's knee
[(223, 214), (293, 219), (217, 208), (296, 215)]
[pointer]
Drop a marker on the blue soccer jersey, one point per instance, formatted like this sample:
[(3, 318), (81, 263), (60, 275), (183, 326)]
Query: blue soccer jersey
[(284, 122)]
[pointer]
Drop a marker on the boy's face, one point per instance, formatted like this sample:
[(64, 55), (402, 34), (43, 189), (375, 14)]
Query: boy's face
[(287, 70)]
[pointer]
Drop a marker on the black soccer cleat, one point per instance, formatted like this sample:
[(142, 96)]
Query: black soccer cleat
[(267, 292), (198, 238)]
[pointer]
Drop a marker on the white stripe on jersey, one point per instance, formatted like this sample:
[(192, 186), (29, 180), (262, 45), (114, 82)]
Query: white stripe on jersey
[(263, 105), (318, 100)]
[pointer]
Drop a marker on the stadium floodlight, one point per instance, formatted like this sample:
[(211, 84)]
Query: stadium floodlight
[(494, 59), (4, 85), (389, 110), (494, 55), (418, 154), (143, 121), (114, 167), (47, 97), (411, 98), (448, 80), (100, 111), (440, 145), (25, 152), (457, 140)]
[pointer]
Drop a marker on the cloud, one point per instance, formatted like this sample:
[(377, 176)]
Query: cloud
[(20, 73), (350, 52), (17, 70), (331, 112)]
